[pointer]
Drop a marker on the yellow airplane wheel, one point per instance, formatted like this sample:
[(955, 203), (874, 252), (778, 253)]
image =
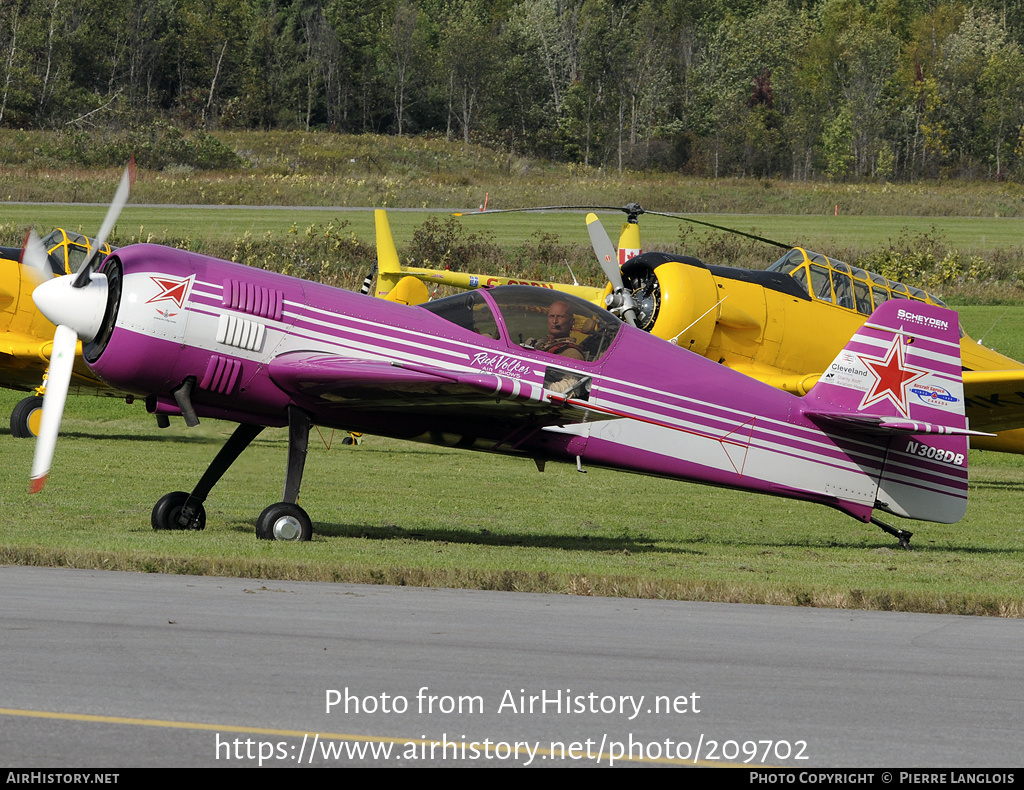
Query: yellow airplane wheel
[(26, 417)]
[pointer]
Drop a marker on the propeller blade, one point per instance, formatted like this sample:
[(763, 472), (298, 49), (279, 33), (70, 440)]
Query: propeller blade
[(76, 317), (605, 251), (620, 300), (387, 253), (77, 314), (62, 358), (120, 199), (35, 259)]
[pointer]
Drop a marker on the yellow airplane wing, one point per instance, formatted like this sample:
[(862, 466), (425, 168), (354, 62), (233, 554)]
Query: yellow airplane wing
[(996, 399), (25, 336)]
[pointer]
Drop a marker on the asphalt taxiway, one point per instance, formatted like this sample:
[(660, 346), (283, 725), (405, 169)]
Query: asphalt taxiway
[(105, 670)]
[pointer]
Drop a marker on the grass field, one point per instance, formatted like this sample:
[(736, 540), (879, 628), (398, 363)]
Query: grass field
[(823, 233), (235, 213)]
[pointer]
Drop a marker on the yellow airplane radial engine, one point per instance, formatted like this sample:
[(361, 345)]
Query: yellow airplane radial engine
[(680, 302)]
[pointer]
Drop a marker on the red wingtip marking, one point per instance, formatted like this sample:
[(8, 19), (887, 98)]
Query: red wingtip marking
[(37, 484)]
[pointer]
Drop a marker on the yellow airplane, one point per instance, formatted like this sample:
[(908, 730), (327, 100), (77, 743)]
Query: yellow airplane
[(783, 326), (26, 338)]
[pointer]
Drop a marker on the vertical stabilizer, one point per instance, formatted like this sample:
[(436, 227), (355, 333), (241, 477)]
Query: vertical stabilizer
[(389, 269), (899, 381)]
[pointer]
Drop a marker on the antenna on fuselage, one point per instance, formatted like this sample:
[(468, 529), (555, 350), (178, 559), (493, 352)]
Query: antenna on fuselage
[(981, 340)]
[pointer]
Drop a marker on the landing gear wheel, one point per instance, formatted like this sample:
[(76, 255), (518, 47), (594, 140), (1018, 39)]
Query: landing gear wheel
[(26, 417), (284, 521), (168, 508)]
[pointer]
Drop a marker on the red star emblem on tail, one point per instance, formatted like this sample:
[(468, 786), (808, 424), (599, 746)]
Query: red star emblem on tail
[(892, 378)]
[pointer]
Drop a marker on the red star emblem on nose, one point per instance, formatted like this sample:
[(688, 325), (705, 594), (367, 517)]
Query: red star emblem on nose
[(892, 378), (172, 289)]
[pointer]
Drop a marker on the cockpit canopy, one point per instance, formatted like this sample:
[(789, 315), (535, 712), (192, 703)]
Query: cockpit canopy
[(829, 280), (67, 250), (519, 314)]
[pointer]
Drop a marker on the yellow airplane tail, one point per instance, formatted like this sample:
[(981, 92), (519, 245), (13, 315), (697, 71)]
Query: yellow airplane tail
[(389, 268), (392, 283)]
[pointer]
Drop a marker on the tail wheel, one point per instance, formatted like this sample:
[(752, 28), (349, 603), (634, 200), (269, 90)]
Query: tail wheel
[(26, 417)]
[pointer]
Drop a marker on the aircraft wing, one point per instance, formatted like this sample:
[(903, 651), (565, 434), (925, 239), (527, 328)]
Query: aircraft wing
[(24, 358), (328, 382), (994, 399)]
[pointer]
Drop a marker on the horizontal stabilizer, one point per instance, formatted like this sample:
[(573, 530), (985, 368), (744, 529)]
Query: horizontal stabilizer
[(874, 424)]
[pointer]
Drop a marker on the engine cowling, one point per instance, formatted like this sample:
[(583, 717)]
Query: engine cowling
[(676, 297)]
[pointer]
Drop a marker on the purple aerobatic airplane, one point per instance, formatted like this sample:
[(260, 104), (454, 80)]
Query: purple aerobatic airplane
[(497, 370)]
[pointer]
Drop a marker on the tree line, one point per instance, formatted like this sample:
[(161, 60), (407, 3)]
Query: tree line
[(801, 89)]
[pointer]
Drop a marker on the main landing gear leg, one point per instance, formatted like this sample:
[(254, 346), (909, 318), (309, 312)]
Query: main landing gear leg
[(902, 535), (286, 520), (179, 510)]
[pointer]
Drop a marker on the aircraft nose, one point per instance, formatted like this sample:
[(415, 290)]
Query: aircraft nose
[(80, 309)]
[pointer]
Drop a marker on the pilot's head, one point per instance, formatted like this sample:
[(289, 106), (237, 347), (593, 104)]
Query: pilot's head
[(560, 318)]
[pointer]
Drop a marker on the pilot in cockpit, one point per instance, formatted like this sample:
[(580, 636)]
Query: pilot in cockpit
[(560, 322)]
